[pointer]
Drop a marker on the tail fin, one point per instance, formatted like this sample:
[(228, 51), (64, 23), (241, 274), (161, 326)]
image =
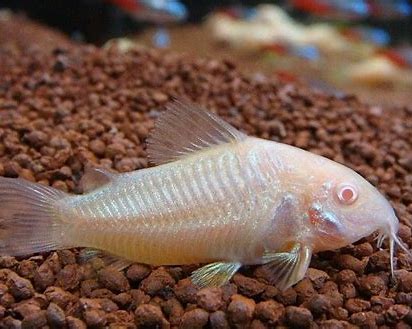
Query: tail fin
[(29, 220)]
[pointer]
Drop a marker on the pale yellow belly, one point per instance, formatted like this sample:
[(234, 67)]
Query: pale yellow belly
[(197, 240)]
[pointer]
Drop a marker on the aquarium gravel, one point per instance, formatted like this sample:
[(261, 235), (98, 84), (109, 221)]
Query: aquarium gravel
[(79, 106), (18, 31)]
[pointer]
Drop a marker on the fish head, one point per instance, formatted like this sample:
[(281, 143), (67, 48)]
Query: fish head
[(344, 207)]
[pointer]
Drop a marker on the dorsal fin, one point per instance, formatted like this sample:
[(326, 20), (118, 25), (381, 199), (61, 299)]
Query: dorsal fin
[(94, 178), (185, 128)]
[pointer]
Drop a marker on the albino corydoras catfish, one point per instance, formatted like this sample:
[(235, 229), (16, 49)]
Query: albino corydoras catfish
[(216, 197)]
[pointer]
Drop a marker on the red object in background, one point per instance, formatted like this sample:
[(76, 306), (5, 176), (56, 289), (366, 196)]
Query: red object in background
[(127, 5), (311, 6), (276, 48), (374, 9), (351, 34), (231, 12), (394, 57), (285, 76)]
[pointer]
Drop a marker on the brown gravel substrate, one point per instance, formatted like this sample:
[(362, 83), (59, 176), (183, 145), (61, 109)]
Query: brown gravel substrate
[(18, 31), (65, 110)]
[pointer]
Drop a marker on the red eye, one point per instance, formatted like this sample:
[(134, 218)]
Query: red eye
[(347, 194)]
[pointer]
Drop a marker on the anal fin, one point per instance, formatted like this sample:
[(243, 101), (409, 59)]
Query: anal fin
[(108, 260), (284, 269), (214, 274)]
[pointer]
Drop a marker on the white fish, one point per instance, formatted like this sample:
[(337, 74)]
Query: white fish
[(217, 196)]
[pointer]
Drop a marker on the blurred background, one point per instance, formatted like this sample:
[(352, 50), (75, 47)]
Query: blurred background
[(356, 46)]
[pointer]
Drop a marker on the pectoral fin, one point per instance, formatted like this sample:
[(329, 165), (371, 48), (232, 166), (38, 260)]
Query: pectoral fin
[(214, 274), (284, 269)]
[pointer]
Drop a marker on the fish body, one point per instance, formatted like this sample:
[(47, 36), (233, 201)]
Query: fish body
[(217, 196), (223, 203), (196, 210)]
